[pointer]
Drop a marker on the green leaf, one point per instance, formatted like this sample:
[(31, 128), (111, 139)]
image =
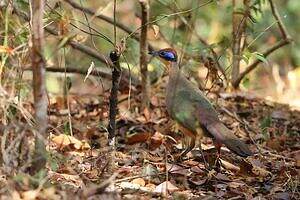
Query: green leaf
[(65, 40), (264, 124), (260, 57), (246, 82)]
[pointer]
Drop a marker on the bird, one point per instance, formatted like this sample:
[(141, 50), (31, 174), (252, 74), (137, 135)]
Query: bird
[(192, 111)]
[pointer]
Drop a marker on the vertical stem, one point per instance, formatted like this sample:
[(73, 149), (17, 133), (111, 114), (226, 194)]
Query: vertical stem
[(235, 45), (239, 23), (113, 99), (39, 85), (143, 54), (115, 27)]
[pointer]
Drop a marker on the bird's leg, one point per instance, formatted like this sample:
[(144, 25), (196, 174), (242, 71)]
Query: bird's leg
[(189, 148), (218, 161), (203, 157)]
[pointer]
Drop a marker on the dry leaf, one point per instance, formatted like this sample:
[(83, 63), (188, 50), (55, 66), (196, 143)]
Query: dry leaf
[(66, 179), (137, 138), (15, 195), (131, 186), (155, 29), (30, 194), (150, 186), (261, 172), (156, 140), (90, 69), (166, 186), (176, 169), (6, 49), (235, 185), (147, 114), (63, 141), (229, 166), (139, 181)]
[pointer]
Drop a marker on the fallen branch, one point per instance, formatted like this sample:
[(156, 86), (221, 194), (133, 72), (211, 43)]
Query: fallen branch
[(96, 72)]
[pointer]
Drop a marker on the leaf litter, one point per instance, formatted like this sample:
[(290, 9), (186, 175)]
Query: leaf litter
[(147, 143)]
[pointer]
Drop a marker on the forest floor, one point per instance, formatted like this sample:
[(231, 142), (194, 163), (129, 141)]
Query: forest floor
[(143, 165)]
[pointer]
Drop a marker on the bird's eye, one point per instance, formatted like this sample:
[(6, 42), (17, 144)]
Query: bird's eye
[(162, 53)]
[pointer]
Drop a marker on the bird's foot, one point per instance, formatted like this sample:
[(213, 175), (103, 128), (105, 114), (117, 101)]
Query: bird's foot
[(181, 157), (218, 163), (206, 164)]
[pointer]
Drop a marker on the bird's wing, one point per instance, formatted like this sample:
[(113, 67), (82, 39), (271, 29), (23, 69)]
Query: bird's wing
[(193, 110), (185, 106)]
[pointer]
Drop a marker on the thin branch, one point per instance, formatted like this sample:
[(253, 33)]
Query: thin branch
[(100, 16), (285, 41), (115, 22), (89, 51), (107, 19), (96, 72), (202, 40), (257, 61), (170, 15), (239, 24), (143, 53), (281, 25), (83, 48)]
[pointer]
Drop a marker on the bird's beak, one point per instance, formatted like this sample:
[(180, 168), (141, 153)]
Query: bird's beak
[(153, 53)]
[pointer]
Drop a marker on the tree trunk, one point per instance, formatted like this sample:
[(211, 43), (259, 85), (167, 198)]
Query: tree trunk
[(39, 87), (143, 54)]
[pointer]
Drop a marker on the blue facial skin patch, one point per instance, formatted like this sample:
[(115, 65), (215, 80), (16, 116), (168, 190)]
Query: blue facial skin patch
[(168, 55)]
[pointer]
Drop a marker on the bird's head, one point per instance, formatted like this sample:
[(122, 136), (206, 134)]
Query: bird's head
[(167, 56)]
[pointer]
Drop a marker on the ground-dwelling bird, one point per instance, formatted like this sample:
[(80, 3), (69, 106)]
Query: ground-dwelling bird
[(192, 111)]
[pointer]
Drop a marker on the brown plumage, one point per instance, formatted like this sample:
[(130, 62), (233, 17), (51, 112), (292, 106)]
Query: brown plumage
[(189, 107)]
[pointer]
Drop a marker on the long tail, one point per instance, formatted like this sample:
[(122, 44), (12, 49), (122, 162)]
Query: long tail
[(223, 135)]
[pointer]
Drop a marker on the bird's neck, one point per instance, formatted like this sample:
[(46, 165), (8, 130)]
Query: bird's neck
[(172, 67)]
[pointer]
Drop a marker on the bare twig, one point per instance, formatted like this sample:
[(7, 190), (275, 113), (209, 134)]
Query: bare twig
[(83, 48), (170, 15), (281, 25), (239, 24), (115, 23), (257, 61), (143, 53), (202, 40), (284, 41), (107, 19), (96, 72)]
